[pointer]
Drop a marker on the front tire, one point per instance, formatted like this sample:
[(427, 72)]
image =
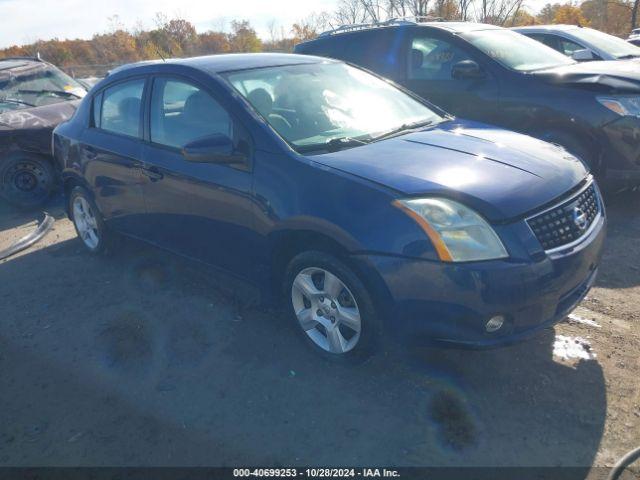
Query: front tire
[(87, 221), (331, 307), (26, 181)]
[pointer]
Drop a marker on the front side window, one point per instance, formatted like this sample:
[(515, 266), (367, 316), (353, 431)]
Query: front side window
[(516, 51), (182, 113), (433, 58), (121, 108), (311, 105)]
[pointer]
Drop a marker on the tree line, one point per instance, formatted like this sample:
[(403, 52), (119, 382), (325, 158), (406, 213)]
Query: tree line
[(176, 37)]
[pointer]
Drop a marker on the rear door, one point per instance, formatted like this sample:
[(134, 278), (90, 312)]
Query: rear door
[(431, 56), (201, 210), (111, 153)]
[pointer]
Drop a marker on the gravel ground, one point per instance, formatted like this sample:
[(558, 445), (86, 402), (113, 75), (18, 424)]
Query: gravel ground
[(143, 358)]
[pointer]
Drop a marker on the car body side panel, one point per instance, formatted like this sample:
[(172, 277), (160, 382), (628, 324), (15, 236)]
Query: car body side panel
[(111, 164), (199, 210)]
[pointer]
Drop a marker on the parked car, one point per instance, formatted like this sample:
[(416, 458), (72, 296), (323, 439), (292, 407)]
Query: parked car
[(634, 38), (372, 211), (581, 43), (498, 76), (35, 97)]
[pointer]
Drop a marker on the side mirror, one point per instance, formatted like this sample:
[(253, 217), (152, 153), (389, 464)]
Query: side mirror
[(216, 148), (583, 55), (466, 70)]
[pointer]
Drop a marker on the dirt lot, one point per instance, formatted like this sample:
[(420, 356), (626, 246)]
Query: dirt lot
[(143, 358)]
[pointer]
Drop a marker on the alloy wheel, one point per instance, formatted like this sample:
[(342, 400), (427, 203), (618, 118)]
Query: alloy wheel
[(86, 222), (326, 310)]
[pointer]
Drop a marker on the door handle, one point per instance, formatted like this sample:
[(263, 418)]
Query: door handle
[(152, 173)]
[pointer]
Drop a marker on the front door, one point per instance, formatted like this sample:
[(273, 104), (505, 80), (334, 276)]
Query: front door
[(201, 210), (431, 57)]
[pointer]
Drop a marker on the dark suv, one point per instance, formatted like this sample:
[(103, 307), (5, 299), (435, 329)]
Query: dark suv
[(35, 97), (498, 76)]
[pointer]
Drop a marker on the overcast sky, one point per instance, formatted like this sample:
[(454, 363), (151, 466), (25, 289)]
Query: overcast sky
[(24, 21)]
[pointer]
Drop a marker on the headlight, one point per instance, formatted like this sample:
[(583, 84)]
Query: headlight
[(624, 106), (458, 233)]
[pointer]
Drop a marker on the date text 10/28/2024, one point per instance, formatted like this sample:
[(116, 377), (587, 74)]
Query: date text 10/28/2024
[(316, 472)]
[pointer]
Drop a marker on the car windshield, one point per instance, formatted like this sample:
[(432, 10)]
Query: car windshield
[(515, 51), (614, 46), (320, 105), (33, 87)]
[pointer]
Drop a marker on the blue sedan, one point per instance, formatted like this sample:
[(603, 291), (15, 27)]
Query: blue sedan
[(373, 213)]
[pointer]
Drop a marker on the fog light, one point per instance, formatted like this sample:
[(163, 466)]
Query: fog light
[(494, 323)]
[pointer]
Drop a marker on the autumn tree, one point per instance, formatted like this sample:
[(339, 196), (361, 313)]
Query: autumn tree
[(568, 14), (243, 37), (548, 13), (611, 16), (213, 42), (523, 18)]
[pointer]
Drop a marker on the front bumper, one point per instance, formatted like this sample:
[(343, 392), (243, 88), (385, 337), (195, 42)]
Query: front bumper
[(449, 303)]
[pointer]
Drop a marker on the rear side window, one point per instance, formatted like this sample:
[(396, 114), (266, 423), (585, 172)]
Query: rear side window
[(376, 50), (433, 58), (548, 40), (182, 112), (121, 108)]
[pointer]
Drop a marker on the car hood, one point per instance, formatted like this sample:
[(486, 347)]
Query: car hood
[(608, 76), (47, 116), (501, 174)]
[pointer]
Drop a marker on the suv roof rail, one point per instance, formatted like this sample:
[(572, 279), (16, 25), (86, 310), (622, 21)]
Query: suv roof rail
[(408, 20)]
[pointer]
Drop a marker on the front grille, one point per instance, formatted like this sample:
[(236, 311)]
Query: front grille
[(567, 222)]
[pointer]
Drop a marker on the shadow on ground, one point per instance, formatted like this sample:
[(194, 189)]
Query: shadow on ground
[(143, 358), (620, 267)]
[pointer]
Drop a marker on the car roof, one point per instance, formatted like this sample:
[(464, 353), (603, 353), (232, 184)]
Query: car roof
[(460, 27), (230, 62), (454, 27), (21, 66), (18, 62), (559, 27)]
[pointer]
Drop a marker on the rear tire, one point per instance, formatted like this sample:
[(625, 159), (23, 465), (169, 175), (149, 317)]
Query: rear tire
[(27, 181), (331, 308), (87, 221)]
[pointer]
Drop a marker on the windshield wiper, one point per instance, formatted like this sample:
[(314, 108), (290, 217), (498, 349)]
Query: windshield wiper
[(15, 100), (55, 92), (403, 128), (332, 145), (625, 57)]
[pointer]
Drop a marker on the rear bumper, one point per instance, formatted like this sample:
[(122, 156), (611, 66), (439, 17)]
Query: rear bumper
[(449, 304)]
